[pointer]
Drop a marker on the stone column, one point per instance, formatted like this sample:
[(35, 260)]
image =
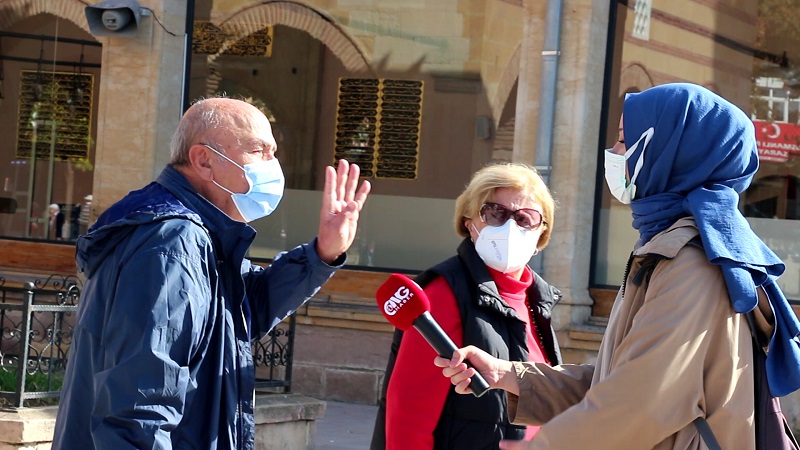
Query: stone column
[(567, 259), (139, 106), (530, 73)]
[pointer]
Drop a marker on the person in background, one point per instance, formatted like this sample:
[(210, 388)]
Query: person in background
[(161, 354), (486, 296), (678, 350), (56, 222), (74, 215), (86, 211)]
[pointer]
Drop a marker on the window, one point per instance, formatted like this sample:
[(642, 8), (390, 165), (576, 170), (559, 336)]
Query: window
[(327, 97), (47, 87), (748, 52)]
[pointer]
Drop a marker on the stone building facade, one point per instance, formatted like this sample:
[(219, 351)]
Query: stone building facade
[(523, 80)]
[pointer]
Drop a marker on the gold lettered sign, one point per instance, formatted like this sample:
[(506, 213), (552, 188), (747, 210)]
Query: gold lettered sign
[(357, 122), (209, 39), (54, 104), (400, 123), (378, 126)]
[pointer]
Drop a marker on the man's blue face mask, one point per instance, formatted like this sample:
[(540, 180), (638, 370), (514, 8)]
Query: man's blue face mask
[(266, 182)]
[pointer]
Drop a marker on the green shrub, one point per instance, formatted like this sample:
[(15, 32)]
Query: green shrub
[(36, 382)]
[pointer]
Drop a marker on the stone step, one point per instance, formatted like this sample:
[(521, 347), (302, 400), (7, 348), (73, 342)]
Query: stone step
[(588, 335), (598, 321)]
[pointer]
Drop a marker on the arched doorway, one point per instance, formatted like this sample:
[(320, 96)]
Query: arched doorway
[(276, 56)]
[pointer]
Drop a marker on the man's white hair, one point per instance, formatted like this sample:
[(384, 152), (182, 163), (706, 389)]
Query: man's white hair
[(205, 119)]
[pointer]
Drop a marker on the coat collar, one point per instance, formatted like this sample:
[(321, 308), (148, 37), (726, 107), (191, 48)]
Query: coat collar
[(669, 242)]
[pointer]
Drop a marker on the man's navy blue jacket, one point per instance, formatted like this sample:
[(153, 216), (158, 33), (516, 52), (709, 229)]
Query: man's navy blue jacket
[(161, 355)]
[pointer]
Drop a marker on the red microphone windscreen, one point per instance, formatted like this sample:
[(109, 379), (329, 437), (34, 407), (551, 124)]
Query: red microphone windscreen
[(401, 301)]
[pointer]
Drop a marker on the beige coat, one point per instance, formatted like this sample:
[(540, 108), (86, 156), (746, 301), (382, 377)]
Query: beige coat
[(674, 350)]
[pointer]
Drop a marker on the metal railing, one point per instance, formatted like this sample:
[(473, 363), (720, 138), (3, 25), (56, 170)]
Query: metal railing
[(39, 317), (36, 321), (272, 357)]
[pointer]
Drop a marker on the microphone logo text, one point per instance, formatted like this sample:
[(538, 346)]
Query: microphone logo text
[(397, 300)]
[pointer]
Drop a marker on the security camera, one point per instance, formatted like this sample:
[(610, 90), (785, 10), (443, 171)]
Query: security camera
[(114, 18)]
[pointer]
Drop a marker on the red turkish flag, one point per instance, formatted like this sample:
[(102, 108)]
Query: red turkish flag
[(777, 140)]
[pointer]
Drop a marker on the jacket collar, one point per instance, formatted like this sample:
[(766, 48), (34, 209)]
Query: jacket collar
[(477, 269), (231, 238)]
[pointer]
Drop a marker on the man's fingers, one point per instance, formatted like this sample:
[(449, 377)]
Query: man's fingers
[(329, 194), (341, 179), (361, 195), (352, 182)]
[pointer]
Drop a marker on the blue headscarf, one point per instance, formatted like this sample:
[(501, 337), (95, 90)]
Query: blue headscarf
[(699, 156)]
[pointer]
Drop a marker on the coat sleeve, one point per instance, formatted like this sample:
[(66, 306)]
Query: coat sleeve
[(275, 292), (546, 391), (417, 390), (653, 386), (153, 327)]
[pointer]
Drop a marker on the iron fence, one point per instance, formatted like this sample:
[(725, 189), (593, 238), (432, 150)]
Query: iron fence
[(39, 317), (35, 334), (272, 357)]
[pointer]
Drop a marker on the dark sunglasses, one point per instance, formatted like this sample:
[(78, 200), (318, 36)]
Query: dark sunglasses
[(495, 214)]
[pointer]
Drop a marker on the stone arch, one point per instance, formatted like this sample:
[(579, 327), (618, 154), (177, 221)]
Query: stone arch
[(503, 147), (504, 87), (634, 75), (304, 17), (13, 11)]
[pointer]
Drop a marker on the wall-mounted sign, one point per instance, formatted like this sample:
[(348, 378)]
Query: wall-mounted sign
[(378, 126), (209, 39), (777, 141), (60, 100)]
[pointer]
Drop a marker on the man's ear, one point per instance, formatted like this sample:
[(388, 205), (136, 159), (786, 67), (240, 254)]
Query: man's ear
[(199, 162)]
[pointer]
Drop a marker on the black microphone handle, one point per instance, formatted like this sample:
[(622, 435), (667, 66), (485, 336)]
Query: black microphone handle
[(444, 346)]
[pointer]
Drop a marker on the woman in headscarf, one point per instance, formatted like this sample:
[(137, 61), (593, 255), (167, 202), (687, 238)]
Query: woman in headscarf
[(678, 347)]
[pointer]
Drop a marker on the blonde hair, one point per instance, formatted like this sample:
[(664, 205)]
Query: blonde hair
[(516, 176)]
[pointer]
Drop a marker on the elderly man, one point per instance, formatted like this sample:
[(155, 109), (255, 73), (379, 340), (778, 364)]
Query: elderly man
[(161, 353)]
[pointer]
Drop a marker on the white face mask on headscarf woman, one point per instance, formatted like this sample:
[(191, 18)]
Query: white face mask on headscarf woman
[(506, 248), (615, 169)]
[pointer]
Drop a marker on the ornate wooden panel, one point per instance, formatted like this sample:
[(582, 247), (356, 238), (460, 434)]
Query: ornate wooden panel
[(59, 99), (209, 39), (378, 126)]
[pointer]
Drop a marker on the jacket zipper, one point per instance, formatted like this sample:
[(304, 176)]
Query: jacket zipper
[(627, 272), (240, 418)]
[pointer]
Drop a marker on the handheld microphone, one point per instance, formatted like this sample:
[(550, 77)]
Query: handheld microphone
[(405, 304)]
